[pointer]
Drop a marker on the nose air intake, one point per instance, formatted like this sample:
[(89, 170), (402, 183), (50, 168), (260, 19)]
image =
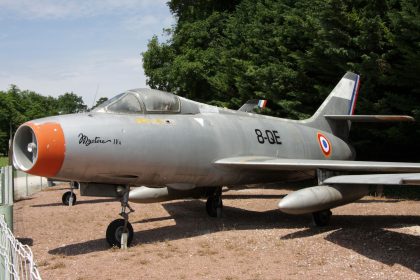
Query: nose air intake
[(39, 148), (25, 148)]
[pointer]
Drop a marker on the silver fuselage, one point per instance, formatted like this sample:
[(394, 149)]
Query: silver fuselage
[(179, 150)]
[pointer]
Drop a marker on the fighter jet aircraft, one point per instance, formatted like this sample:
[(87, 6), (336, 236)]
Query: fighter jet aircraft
[(178, 148)]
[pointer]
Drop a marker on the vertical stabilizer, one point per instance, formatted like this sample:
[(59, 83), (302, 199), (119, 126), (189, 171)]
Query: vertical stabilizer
[(341, 101)]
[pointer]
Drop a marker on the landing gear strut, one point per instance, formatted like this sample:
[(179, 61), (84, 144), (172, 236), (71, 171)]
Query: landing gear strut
[(69, 198), (322, 218), (120, 232), (214, 204)]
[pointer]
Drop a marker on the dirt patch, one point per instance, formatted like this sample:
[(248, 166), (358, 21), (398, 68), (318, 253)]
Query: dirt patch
[(371, 239)]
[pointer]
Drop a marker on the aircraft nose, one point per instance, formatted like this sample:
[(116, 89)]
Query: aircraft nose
[(38, 148)]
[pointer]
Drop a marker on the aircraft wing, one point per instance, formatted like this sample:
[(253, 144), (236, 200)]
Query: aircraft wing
[(279, 164), (376, 179), (370, 118)]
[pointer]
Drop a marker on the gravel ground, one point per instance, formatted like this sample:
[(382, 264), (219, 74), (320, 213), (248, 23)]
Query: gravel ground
[(375, 238)]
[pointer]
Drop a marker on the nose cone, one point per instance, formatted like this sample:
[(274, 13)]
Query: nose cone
[(39, 148)]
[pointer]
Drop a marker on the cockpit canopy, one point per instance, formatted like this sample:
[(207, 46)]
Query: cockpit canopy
[(140, 101)]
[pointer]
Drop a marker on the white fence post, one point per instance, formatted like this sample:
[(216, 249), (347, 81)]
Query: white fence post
[(6, 203), (2, 186), (10, 186)]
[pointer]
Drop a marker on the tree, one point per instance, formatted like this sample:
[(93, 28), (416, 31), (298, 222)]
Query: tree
[(292, 53), (100, 101), (69, 103), (17, 107)]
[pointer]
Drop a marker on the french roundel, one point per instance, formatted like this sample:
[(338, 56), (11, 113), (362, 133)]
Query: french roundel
[(324, 144)]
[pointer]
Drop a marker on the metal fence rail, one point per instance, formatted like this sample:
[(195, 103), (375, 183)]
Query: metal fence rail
[(16, 259)]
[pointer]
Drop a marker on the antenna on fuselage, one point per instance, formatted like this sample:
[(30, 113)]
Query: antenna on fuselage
[(94, 98)]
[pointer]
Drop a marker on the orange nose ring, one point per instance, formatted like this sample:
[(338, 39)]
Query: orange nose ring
[(51, 148)]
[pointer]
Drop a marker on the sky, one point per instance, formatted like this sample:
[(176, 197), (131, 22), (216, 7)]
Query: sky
[(91, 48)]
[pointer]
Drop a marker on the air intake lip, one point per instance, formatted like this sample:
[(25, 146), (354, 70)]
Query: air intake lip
[(39, 148), (25, 152)]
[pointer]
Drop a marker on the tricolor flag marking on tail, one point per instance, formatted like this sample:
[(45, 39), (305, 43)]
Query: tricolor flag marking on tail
[(354, 96), (262, 103)]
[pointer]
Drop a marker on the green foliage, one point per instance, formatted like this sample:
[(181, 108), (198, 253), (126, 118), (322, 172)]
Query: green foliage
[(100, 101), (17, 107), (292, 53), (70, 103), (4, 161)]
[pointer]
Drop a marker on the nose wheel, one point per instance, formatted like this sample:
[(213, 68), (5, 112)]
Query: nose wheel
[(69, 198)]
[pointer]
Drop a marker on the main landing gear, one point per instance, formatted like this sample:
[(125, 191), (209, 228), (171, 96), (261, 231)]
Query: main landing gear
[(214, 204), (322, 218), (120, 232), (69, 198)]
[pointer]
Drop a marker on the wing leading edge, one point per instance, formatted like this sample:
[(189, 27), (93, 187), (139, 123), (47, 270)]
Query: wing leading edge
[(280, 164)]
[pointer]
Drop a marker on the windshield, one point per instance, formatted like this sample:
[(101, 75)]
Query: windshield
[(109, 101)]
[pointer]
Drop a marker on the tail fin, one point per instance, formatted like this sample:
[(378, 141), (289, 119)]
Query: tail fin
[(341, 101), (337, 112)]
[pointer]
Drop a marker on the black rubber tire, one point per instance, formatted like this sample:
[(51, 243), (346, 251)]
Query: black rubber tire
[(66, 198), (214, 207), (322, 218), (114, 232)]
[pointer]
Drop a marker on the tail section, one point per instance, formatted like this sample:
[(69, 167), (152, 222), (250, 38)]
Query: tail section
[(337, 112), (342, 102), (342, 99)]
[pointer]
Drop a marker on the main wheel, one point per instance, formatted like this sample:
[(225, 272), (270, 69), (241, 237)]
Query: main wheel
[(115, 231), (214, 206), (66, 198), (322, 218)]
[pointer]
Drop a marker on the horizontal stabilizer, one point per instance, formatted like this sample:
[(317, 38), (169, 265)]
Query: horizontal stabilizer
[(279, 164), (376, 179), (370, 118)]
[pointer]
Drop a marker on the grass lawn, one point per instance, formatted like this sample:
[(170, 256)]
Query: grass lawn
[(4, 161)]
